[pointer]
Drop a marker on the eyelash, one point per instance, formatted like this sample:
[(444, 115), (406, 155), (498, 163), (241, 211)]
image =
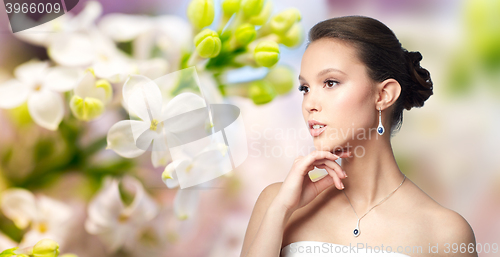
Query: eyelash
[(302, 87)]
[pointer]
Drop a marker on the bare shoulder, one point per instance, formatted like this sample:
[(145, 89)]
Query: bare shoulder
[(259, 210), (271, 190), (451, 227), (267, 196), (446, 226), (452, 234)]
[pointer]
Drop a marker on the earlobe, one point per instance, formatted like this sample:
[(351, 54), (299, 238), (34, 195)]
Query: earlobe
[(388, 92)]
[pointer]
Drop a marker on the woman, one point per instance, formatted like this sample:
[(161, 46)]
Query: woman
[(356, 79)]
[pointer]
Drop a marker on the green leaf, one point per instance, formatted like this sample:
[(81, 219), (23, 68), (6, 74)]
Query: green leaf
[(126, 47), (8, 252)]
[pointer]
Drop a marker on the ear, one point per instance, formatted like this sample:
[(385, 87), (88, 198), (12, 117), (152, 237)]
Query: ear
[(387, 92)]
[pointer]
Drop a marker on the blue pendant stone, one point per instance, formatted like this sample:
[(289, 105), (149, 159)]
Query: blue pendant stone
[(380, 130), (356, 231)]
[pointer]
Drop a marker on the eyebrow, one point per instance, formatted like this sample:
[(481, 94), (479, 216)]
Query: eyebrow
[(325, 71)]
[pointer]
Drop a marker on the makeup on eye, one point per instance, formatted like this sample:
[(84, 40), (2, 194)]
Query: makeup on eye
[(302, 88), (330, 83)]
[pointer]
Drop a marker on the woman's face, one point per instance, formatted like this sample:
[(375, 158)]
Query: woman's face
[(339, 93)]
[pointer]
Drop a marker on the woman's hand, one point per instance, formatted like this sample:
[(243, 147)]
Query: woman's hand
[(298, 190)]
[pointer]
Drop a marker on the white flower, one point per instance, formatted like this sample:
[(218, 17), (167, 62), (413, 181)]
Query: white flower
[(40, 86), (182, 124), (203, 166), (90, 96), (151, 68), (125, 27), (111, 220), (171, 34), (65, 37), (75, 41), (41, 34), (131, 138), (143, 99), (49, 33), (90, 47), (109, 62), (46, 217)]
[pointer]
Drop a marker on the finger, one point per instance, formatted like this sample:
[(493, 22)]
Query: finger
[(343, 153), (303, 164), (334, 176), (306, 162), (318, 154), (323, 183), (332, 164)]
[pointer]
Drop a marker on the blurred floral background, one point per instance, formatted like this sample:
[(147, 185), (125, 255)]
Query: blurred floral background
[(68, 172)]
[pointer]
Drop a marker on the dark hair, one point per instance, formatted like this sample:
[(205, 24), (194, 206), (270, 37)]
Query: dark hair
[(384, 57)]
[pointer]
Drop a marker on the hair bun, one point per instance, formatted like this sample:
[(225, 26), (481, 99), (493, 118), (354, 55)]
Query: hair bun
[(421, 88)]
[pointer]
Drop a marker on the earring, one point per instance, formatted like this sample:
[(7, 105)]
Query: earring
[(380, 128)]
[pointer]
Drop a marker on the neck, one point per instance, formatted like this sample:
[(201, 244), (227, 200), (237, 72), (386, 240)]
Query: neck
[(372, 176)]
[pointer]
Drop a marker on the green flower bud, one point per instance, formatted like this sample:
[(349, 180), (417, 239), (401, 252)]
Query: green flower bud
[(230, 6), (87, 109), (252, 7), (201, 13), (207, 43), (46, 248), (284, 20), (245, 34), (263, 16), (267, 53), (261, 92), (281, 78), (293, 37)]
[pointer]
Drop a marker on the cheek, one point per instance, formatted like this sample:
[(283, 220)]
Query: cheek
[(357, 107), (305, 113)]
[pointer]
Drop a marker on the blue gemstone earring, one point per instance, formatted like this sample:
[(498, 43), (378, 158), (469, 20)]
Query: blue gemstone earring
[(380, 128)]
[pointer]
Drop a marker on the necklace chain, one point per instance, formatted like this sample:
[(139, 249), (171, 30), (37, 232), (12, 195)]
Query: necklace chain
[(377, 203)]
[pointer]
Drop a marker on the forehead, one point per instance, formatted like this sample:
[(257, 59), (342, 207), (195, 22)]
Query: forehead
[(330, 53)]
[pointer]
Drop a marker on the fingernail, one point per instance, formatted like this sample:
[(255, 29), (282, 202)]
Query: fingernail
[(342, 184), (345, 174)]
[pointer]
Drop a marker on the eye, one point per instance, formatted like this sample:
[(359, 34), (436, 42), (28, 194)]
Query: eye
[(302, 88), (330, 83)]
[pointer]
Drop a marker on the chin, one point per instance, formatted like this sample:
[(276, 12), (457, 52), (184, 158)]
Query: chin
[(321, 146), (331, 147)]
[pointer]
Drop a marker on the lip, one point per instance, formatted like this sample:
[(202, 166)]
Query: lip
[(316, 132)]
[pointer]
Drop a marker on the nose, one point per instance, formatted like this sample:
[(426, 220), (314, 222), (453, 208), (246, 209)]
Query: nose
[(311, 103)]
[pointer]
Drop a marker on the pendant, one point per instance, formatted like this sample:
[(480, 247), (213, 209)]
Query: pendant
[(380, 129), (356, 231)]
